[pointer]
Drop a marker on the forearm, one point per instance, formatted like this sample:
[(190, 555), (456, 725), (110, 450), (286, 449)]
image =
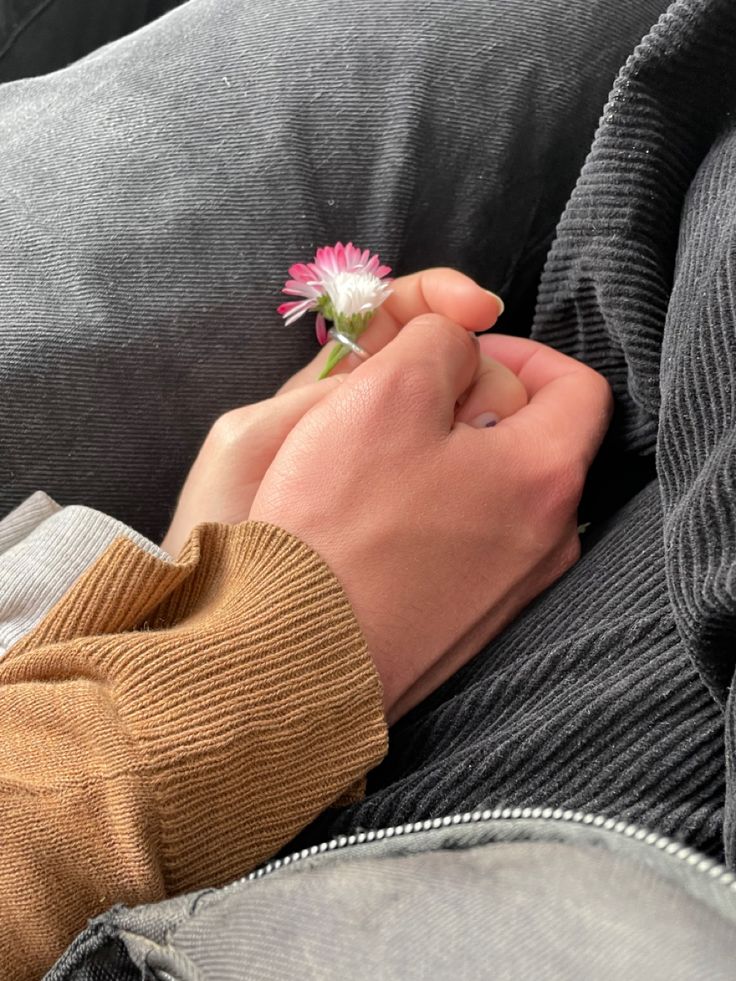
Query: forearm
[(169, 725)]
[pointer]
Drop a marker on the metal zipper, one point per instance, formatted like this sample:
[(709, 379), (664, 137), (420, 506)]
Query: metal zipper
[(691, 856)]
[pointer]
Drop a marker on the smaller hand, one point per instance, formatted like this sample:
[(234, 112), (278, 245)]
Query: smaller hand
[(439, 290), (234, 457)]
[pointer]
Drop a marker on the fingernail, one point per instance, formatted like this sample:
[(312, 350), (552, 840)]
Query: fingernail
[(501, 304), (485, 420)]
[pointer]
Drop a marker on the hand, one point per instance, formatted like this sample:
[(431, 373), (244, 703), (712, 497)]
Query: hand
[(440, 533), (237, 452), (242, 443)]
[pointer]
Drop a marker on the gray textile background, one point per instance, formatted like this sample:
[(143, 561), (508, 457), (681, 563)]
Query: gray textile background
[(511, 911), (38, 36)]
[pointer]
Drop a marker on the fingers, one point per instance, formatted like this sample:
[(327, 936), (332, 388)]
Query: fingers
[(265, 425), (436, 357), (447, 292), (569, 405), (444, 291), (496, 392), (286, 409)]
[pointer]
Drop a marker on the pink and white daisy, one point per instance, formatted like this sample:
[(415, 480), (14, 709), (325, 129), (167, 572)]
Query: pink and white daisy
[(341, 284)]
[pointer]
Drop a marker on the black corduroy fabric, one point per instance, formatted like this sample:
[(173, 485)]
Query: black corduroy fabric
[(697, 436), (607, 297), (640, 283), (605, 291), (588, 701)]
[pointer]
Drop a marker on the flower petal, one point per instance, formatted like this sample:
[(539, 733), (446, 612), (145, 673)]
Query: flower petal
[(300, 271), (294, 287), (325, 260), (295, 310), (296, 314), (352, 279)]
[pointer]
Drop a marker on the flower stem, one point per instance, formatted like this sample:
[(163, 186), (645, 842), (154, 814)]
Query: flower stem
[(338, 352)]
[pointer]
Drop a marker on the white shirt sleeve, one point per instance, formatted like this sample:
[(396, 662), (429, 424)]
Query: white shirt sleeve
[(44, 548)]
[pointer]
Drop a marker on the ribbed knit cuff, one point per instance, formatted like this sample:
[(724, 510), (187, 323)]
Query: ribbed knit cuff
[(243, 679)]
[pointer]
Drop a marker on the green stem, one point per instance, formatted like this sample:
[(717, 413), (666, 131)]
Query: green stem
[(338, 352)]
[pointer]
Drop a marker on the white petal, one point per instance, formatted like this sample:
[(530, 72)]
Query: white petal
[(355, 292)]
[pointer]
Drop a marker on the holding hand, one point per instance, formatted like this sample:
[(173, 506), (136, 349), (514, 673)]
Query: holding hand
[(440, 530), (440, 533), (242, 443)]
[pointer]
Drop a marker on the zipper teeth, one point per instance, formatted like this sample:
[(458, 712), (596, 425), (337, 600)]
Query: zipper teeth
[(690, 856)]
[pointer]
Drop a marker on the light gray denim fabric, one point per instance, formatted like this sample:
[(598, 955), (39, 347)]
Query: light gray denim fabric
[(515, 899)]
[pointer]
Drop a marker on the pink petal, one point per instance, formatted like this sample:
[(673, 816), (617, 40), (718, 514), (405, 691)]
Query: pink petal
[(352, 256), (293, 311), (383, 271), (325, 260), (299, 310), (300, 271), (293, 287), (321, 329), (285, 307)]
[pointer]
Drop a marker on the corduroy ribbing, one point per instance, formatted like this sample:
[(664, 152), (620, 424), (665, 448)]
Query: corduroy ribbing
[(588, 701), (641, 284), (606, 286), (186, 720)]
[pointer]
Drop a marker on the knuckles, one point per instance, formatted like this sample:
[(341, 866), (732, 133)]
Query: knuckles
[(228, 430), (396, 393), (429, 344), (444, 333)]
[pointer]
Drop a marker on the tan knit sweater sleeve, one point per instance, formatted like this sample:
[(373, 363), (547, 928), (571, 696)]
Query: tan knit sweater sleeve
[(170, 725)]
